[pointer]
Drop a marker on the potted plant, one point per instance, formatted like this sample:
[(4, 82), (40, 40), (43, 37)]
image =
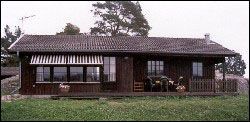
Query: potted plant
[(64, 88), (180, 87)]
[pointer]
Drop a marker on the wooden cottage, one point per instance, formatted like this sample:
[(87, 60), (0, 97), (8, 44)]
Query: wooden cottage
[(101, 64)]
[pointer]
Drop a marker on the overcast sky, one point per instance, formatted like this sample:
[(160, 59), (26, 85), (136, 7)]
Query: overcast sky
[(227, 22)]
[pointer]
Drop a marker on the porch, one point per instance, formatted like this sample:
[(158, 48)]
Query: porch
[(196, 87)]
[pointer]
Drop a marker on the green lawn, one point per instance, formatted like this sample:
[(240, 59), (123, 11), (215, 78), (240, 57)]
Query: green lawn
[(132, 108)]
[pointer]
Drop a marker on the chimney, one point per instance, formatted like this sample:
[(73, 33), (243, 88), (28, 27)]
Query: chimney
[(207, 38)]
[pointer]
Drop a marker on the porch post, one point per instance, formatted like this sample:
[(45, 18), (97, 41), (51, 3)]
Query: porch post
[(102, 78), (223, 67)]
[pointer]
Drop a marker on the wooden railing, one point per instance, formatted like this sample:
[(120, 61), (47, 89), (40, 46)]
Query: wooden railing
[(212, 85)]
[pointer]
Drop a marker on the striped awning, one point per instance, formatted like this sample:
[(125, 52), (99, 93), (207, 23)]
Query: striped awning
[(83, 59), (66, 59)]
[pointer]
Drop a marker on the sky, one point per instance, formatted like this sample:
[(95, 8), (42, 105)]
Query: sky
[(226, 21)]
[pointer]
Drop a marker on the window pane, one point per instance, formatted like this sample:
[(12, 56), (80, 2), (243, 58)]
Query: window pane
[(194, 64), (195, 72), (197, 69), (110, 69), (199, 72), (46, 74), (158, 67), (153, 67), (106, 68), (39, 74), (161, 63), (161, 68), (39, 69), (112, 60), (106, 60), (112, 72), (76, 74), (149, 63), (153, 63), (149, 70), (43, 74), (93, 74), (60, 74), (46, 77), (112, 77), (157, 63)]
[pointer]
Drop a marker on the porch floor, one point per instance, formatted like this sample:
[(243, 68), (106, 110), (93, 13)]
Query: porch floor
[(132, 94)]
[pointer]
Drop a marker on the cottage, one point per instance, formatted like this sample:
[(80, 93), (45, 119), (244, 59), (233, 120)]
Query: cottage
[(101, 64)]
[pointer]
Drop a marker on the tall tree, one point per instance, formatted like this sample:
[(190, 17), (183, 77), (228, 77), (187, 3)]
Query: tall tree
[(9, 38), (233, 65), (119, 18), (70, 29)]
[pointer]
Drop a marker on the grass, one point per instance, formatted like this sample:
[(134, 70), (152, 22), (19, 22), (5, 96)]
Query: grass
[(133, 108)]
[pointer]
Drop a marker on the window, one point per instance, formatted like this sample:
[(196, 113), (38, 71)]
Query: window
[(109, 69), (43, 74), (60, 74), (155, 68), (93, 74), (76, 74), (197, 69)]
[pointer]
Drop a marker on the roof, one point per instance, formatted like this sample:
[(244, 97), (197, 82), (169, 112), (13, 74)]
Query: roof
[(82, 43), (9, 71)]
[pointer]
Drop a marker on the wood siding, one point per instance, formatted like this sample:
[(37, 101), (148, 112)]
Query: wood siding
[(124, 74), (140, 69), (128, 70)]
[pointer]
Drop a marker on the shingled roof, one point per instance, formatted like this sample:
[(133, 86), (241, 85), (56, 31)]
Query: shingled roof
[(82, 43)]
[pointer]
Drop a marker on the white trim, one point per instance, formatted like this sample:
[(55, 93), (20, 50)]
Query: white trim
[(15, 42), (109, 81), (85, 82), (43, 82)]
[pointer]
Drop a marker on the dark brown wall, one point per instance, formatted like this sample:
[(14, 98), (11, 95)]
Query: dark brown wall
[(53, 88), (26, 76), (140, 69), (134, 68), (28, 85), (174, 67)]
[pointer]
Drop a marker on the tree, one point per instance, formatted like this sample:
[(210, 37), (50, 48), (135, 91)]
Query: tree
[(233, 65), (9, 38), (70, 29), (119, 18)]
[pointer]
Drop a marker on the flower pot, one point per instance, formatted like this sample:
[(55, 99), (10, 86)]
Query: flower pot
[(64, 88), (181, 89)]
